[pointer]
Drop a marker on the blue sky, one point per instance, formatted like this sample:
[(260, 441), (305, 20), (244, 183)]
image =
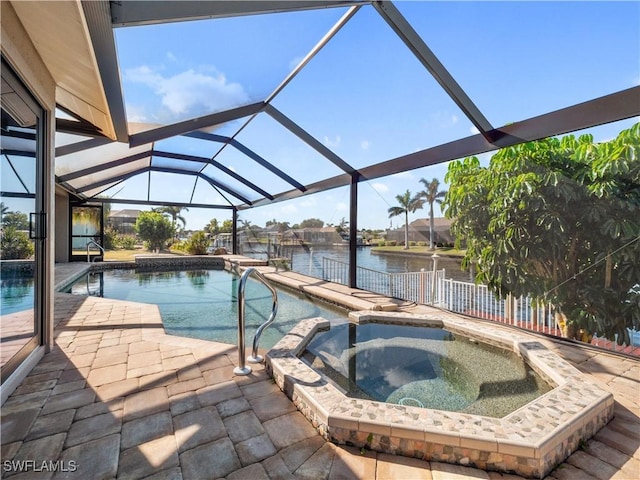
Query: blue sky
[(365, 96)]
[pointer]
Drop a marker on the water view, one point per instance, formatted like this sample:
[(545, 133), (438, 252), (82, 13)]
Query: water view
[(308, 261)]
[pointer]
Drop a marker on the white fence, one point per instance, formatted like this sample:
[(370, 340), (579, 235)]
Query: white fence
[(413, 286), (460, 297)]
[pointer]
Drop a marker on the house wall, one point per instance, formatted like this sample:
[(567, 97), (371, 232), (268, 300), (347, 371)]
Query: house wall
[(62, 226)]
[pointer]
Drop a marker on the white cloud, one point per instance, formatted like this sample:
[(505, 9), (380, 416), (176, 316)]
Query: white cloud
[(231, 168), (288, 209), (135, 114), (365, 144), (474, 130), (332, 143), (444, 119), (380, 187), (341, 207), (190, 93), (308, 202)]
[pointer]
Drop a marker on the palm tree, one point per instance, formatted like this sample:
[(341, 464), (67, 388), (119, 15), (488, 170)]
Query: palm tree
[(213, 227), (174, 213), (342, 229), (431, 195), (4, 210), (407, 205)]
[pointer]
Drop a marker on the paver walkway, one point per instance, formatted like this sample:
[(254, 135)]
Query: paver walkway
[(118, 398)]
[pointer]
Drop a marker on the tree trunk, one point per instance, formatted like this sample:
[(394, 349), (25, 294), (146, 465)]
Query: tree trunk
[(431, 226), (406, 230)]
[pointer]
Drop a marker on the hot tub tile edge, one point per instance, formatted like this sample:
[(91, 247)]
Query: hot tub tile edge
[(537, 434)]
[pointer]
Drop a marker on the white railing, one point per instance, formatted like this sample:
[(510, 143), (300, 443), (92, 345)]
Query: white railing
[(457, 296), (478, 301), (413, 286)]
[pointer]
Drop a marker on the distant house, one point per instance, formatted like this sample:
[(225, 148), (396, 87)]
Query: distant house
[(123, 221), (314, 235), (419, 232)]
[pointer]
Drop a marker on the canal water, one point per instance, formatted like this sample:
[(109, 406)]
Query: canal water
[(309, 261)]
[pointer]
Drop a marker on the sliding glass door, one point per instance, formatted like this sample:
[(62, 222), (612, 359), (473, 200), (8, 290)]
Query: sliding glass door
[(23, 223)]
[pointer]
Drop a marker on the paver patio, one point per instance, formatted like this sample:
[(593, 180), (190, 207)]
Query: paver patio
[(118, 398)]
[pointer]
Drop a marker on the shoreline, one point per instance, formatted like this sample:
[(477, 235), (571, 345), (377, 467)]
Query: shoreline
[(415, 254)]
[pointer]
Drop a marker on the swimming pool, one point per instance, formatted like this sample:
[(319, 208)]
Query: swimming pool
[(424, 367), (16, 290), (203, 303)]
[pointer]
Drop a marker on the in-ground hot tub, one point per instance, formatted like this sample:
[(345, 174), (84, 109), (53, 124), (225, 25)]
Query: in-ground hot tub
[(529, 440), (423, 366)]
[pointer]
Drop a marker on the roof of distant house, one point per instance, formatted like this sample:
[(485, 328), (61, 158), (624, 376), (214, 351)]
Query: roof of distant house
[(439, 222), (127, 213)]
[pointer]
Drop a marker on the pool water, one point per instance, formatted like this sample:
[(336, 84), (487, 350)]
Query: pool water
[(423, 367), (16, 290), (203, 303)]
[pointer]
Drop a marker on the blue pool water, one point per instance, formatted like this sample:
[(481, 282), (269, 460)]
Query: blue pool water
[(203, 303), (16, 290)]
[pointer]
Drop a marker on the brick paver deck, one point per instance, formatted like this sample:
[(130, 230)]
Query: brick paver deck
[(118, 398)]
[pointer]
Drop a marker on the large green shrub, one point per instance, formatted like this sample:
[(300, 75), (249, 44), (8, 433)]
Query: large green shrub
[(15, 245), (154, 229), (110, 237), (126, 242), (198, 244), (558, 220)]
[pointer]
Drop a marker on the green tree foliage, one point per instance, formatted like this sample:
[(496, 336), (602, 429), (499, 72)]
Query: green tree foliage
[(557, 219), (213, 227), (227, 226), (110, 237), (431, 195), (14, 244), (312, 223), (281, 227), (197, 244), (408, 204), (343, 227), (174, 214), (154, 228), (17, 220)]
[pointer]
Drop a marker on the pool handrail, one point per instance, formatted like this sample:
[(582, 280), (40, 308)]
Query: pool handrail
[(97, 245), (242, 369)]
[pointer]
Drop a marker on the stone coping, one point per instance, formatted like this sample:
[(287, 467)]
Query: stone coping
[(530, 441), (154, 262), (20, 265)]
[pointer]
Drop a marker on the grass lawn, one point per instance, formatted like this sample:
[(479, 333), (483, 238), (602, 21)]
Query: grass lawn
[(129, 255), (420, 250)]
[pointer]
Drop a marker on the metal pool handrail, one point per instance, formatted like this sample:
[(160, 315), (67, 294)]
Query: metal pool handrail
[(97, 245), (242, 369)]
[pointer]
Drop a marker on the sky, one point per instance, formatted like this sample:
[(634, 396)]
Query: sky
[(364, 95)]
